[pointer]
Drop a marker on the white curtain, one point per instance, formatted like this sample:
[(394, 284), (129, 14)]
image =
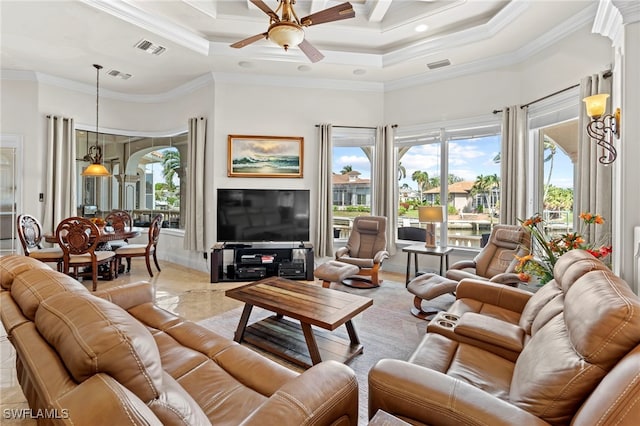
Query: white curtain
[(60, 199), (194, 235), (324, 228), (385, 182), (513, 165), (595, 180)]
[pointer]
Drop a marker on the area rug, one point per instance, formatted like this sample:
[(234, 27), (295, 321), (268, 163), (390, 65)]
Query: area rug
[(386, 330)]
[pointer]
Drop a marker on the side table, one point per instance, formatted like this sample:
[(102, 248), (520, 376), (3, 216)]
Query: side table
[(416, 249)]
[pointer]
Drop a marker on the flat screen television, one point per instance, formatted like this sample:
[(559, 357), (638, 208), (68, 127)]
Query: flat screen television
[(258, 215)]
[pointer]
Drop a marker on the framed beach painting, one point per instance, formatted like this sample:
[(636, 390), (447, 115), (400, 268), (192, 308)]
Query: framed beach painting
[(264, 156)]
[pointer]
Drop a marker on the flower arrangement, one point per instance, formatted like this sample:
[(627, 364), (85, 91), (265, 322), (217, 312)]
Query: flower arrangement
[(554, 247), (98, 221)]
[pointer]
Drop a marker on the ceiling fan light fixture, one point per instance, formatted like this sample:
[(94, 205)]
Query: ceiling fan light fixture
[(286, 34)]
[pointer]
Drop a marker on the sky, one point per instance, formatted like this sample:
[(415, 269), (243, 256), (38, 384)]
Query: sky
[(467, 159)]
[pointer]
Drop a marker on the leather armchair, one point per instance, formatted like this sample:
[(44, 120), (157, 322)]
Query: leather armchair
[(366, 248), (496, 262)]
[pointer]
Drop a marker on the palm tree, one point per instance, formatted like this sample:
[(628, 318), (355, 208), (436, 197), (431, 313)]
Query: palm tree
[(170, 163), (422, 179), (549, 145), (346, 169), (402, 171)]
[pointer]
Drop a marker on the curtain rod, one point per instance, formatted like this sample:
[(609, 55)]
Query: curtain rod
[(605, 74), (358, 127)]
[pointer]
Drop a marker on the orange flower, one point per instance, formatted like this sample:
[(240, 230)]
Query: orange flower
[(525, 278), (599, 220), (586, 216)]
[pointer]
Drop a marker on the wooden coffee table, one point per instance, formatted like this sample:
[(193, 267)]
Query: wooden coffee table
[(311, 305)]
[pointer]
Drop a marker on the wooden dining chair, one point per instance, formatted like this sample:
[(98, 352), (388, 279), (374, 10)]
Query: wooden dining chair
[(30, 235), (143, 250), (119, 220), (78, 238)]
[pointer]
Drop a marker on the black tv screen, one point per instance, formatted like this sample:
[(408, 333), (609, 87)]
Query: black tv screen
[(255, 215)]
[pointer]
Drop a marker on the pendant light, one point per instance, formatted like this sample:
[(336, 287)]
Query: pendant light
[(94, 156)]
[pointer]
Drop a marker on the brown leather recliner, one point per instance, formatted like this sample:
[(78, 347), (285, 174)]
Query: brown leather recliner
[(580, 364), (366, 248), (113, 358), (496, 261)]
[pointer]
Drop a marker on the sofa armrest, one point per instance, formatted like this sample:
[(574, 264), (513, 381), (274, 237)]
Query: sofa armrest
[(327, 393), (463, 264), (491, 330), (511, 298), (380, 256), (427, 396), (128, 295), (101, 400), (507, 278), (341, 252), (11, 315)]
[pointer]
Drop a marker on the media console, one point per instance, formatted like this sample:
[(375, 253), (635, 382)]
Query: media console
[(254, 261)]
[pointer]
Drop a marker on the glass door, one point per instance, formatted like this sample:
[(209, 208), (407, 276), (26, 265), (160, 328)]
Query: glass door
[(8, 199)]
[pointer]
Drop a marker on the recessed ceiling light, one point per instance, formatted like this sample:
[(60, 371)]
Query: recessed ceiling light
[(245, 64), (304, 68), (359, 71), (421, 28)]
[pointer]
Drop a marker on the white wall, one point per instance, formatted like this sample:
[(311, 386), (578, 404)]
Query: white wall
[(272, 108)]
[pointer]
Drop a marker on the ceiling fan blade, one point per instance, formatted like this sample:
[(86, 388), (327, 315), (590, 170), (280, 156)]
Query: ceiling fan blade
[(336, 13), (312, 53), (248, 40), (266, 9)]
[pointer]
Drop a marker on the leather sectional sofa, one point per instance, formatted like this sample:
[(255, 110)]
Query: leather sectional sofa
[(115, 358), (568, 354)]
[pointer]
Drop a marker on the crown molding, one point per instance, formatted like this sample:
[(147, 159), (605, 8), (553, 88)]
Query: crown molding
[(496, 62), (439, 44), (629, 9), (608, 22), (155, 24), (299, 82), (74, 86)]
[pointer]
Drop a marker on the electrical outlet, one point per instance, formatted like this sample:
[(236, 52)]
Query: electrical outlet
[(205, 255), (41, 197)]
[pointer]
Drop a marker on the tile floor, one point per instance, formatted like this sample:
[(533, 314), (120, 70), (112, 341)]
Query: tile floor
[(181, 290)]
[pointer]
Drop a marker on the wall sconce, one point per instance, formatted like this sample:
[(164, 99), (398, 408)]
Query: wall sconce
[(430, 215), (603, 126)]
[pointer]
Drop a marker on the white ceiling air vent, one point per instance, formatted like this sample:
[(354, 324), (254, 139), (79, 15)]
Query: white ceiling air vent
[(116, 73), (150, 47), (438, 64)]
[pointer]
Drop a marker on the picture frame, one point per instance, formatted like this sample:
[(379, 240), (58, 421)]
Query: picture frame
[(265, 156)]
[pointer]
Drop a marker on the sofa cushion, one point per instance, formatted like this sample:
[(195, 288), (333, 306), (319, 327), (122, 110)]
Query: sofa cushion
[(93, 336), (174, 406), (30, 288), (13, 265), (568, 356)]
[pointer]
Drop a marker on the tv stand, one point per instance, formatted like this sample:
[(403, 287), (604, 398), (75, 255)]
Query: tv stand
[(254, 261)]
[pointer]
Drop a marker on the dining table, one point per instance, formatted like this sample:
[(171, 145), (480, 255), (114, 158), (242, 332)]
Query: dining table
[(105, 236)]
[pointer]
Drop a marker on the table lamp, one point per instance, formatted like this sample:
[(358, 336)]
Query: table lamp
[(430, 215)]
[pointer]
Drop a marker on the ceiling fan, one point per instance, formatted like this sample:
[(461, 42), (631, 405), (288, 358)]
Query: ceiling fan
[(287, 30)]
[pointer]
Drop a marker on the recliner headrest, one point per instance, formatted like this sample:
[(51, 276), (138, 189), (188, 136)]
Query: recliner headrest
[(368, 226), (508, 238)]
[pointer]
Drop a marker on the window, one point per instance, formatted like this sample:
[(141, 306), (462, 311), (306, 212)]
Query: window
[(145, 180), (457, 167), (353, 151), (556, 188)]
